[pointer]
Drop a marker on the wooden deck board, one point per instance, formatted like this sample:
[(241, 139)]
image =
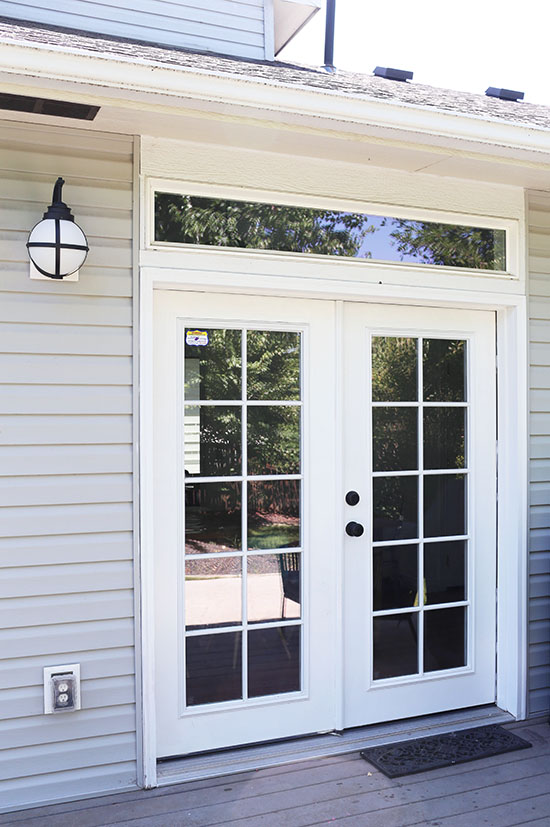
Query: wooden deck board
[(505, 790)]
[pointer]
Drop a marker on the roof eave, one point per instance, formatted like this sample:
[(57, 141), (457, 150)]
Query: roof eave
[(261, 97)]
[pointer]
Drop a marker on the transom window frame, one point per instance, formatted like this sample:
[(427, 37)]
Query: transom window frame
[(511, 227)]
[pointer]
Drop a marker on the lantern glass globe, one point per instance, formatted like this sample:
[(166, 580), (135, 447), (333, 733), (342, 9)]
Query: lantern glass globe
[(58, 257)]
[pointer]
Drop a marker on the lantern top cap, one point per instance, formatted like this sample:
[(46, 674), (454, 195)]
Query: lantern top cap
[(58, 208)]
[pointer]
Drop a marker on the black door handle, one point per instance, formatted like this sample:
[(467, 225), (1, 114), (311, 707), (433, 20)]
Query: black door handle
[(354, 529), (352, 498)]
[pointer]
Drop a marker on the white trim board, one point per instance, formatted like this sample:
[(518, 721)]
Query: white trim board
[(274, 175), (512, 458)]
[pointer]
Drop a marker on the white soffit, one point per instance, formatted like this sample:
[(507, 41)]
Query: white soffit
[(289, 17)]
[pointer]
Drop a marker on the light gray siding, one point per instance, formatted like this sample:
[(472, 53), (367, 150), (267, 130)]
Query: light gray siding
[(539, 453), (66, 576), (233, 27)]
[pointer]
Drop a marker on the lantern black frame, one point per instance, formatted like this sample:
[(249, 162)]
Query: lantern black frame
[(58, 211)]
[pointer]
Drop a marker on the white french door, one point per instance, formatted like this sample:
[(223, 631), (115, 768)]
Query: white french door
[(244, 532), (420, 454), (256, 572)]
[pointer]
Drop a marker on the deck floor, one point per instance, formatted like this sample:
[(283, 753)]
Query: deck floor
[(506, 790)]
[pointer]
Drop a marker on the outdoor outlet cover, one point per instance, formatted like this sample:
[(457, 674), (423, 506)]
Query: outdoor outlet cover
[(61, 688)]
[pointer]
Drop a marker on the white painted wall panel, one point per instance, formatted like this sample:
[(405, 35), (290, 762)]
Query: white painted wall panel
[(66, 462), (88, 752), (25, 672), (48, 460), (233, 27), (66, 637), (54, 550), (539, 452), (73, 608)]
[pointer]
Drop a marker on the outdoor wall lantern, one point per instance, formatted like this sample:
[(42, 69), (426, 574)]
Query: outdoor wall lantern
[(57, 246)]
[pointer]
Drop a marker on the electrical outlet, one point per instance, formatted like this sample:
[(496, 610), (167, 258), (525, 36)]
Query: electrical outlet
[(64, 691), (61, 688)]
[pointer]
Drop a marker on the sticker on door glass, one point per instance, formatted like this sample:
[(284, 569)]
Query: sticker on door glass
[(196, 337)]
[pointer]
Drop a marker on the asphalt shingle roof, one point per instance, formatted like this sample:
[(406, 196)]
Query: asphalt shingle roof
[(277, 72)]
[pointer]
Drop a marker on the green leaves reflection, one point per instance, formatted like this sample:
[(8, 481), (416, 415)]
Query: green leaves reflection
[(220, 222)]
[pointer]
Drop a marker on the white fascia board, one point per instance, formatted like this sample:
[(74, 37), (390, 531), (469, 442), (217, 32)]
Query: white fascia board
[(257, 98)]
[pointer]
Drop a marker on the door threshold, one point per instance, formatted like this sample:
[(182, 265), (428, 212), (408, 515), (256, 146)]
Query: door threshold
[(246, 759)]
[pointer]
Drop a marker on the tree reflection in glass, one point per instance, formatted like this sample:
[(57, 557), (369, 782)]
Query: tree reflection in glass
[(274, 514), (212, 517), (213, 369), (221, 222), (394, 369), (273, 365), (273, 439)]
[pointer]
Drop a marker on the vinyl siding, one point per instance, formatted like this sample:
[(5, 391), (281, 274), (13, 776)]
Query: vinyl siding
[(66, 568), (233, 27), (539, 453)]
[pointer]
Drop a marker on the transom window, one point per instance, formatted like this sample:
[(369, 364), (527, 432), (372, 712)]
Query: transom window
[(222, 222)]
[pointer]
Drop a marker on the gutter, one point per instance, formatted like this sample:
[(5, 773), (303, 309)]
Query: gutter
[(119, 73)]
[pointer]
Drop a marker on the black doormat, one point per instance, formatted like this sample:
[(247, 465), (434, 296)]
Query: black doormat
[(421, 754)]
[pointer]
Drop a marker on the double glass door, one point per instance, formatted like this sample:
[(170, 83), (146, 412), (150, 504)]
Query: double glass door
[(284, 605)]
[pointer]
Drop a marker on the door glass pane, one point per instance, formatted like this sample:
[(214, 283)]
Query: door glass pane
[(444, 505), (395, 645), (212, 517), (273, 439), (212, 441), (395, 577), (395, 504), (274, 514), (394, 439), (213, 365), (213, 668), (394, 369), (213, 592), (274, 660), (397, 582), (444, 437), (444, 363), (273, 585), (273, 365), (220, 426), (444, 639), (445, 571)]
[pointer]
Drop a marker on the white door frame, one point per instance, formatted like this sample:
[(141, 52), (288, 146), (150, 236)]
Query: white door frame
[(243, 273)]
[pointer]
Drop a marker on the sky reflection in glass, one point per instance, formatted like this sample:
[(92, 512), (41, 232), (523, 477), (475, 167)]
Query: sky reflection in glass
[(185, 219)]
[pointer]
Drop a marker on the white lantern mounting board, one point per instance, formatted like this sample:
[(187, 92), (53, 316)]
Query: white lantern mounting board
[(36, 274)]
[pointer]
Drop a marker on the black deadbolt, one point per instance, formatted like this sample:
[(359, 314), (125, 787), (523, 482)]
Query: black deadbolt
[(354, 529), (352, 498)]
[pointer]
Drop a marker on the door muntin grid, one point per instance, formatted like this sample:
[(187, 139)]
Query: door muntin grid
[(421, 469), (242, 533)]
